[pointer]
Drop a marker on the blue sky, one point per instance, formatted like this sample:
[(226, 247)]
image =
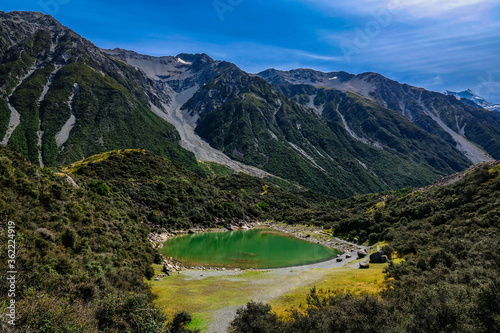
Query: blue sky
[(436, 44)]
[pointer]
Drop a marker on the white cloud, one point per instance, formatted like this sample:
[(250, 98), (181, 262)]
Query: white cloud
[(458, 9), (439, 8), (319, 56)]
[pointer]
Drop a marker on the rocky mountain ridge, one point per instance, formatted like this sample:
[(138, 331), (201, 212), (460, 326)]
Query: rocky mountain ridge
[(475, 134), (336, 133), (470, 98)]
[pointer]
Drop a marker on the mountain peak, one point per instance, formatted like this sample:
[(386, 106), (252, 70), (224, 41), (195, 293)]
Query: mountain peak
[(469, 97), (33, 20)]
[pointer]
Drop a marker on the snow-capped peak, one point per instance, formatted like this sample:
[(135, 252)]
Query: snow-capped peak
[(468, 97)]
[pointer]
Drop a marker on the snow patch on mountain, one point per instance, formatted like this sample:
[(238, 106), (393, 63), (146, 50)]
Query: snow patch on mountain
[(184, 62), (469, 96)]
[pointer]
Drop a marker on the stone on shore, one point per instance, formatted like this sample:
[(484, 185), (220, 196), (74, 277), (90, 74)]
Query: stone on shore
[(364, 265), (361, 254)]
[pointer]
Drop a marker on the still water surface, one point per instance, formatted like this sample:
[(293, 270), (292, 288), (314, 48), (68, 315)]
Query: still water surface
[(255, 248)]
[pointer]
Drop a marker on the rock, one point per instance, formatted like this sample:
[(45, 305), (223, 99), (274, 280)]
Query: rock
[(231, 227), (364, 265), (361, 254), (71, 182), (378, 257)]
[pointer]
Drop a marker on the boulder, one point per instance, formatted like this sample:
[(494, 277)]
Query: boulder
[(378, 257), (361, 254), (364, 265)]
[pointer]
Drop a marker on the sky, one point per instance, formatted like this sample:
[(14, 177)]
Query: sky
[(435, 44)]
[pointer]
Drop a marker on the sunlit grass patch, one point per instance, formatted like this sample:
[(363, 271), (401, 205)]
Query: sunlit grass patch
[(72, 168), (347, 279), (200, 296)]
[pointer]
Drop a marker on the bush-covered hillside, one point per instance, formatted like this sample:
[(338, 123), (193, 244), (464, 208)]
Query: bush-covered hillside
[(83, 252), (165, 194), (81, 257), (449, 282)]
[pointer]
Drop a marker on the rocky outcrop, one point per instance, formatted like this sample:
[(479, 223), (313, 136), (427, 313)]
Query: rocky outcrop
[(71, 182)]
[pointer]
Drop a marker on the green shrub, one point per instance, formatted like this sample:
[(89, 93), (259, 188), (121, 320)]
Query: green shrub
[(263, 206), (101, 188)]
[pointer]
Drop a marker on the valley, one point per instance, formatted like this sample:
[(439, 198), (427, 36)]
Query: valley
[(123, 196), (214, 294), (336, 133), (115, 166)]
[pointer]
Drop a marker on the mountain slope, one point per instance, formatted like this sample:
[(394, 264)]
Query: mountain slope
[(69, 100), (444, 277), (83, 252), (261, 126), (252, 122), (175, 80), (475, 134)]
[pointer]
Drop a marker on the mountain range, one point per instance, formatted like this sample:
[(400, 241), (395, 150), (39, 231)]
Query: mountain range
[(64, 99), (469, 97)]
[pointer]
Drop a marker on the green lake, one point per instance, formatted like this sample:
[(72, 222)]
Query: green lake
[(255, 248)]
